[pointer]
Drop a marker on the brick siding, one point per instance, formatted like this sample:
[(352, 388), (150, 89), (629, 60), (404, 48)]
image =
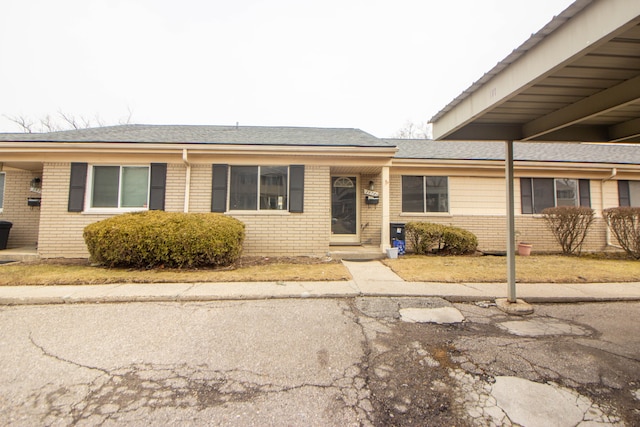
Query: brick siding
[(25, 219)]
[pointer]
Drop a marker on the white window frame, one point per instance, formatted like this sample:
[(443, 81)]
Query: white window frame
[(285, 206), (576, 190), (2, 188), (119, 209)]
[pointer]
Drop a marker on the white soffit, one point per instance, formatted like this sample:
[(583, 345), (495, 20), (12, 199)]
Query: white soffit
[(577, 79)]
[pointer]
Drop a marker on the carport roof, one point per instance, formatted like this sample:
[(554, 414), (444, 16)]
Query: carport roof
[(577, 79)]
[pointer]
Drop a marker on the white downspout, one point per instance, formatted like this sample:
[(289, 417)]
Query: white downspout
[(187, 183), (386, 210), (614, 172)]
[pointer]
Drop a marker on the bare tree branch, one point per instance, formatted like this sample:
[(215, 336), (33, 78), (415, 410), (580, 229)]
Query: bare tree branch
[(127, 120), (412, 130), (61, 121), (69, 119), (47, 124), (25, 123)]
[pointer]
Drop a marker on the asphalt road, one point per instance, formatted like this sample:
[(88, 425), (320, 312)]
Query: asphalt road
[(324, 362)]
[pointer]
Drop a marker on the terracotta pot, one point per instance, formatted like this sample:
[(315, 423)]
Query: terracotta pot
[(524, 249)]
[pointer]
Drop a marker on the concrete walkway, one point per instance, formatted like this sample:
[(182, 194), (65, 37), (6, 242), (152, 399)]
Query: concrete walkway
[(370, 278)]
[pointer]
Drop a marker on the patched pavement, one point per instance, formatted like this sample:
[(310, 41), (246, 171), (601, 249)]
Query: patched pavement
[(327, 362)]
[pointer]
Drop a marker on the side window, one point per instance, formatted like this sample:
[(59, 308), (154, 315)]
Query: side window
[(629, 193), (425, 194), (119, 187), (538, 194), (258, 188), (2, 179)]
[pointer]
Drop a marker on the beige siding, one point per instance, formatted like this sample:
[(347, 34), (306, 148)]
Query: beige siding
[(610, 189), (477, 196), (488, 219), (25, 219)]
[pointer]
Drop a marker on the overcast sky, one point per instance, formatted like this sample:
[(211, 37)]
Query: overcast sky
[(373, 65)]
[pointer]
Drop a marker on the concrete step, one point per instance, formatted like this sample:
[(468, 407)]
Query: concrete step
[(19, 254), (356, 253)]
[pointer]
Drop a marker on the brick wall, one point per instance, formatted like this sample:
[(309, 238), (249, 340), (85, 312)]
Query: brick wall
[(291, 234), (491, 229), (267, 233), (25, 219), (61, 231), (476, 204)]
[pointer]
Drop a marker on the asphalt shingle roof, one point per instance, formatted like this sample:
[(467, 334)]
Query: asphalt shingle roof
[(340, 137), (245, 135), (522, 151)]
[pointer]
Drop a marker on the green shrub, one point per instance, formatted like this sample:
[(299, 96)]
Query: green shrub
[(624, 222), (424, 236), (457, 241), (427, 237), (569, 225), (156, 238)]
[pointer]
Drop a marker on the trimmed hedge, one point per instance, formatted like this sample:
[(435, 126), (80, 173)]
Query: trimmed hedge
[(427, 237), (170, 239)]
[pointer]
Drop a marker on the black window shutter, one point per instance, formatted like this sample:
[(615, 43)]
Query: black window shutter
[(585, 193), (526, 195), (296, 188), (219, 188), (624, 198), (158, 186), (77, 187)]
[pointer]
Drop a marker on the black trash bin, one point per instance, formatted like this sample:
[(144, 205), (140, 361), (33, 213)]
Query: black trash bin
[(397, 231), (397, 237), (5, 226)]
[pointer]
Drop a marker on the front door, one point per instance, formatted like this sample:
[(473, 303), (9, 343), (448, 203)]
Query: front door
[(344, 210)]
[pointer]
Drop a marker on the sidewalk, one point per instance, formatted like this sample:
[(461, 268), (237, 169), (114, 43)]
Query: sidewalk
[(370, 278)]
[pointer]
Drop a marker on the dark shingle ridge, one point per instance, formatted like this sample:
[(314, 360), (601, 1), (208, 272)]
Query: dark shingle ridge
[(570, 152), (210, 134)]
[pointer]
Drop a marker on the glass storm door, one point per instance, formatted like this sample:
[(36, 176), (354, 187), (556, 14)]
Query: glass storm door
[(344, 209)]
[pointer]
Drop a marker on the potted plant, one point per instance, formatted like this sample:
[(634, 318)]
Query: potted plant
[(524, 248)]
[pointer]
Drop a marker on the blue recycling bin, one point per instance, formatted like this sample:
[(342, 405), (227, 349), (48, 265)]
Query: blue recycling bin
[(400, 244)]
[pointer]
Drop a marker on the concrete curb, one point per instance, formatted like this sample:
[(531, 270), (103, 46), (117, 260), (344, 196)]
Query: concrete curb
[(186, 297), (370, 279)]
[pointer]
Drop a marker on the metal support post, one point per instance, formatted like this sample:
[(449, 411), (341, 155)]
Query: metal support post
[(511, 253)]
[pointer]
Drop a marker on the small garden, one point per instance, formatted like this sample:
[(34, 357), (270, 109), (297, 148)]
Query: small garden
[(569, 226)]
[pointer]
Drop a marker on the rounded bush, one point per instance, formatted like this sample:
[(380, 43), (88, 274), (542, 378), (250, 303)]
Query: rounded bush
[(427, 237), (457, 241), (170, 239)]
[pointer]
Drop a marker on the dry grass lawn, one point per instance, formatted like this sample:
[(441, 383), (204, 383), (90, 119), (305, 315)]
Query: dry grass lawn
[(532, 269), (76, 273), (412, 268)]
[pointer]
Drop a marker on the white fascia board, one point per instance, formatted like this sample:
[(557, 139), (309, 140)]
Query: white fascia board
[(588, 29)]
